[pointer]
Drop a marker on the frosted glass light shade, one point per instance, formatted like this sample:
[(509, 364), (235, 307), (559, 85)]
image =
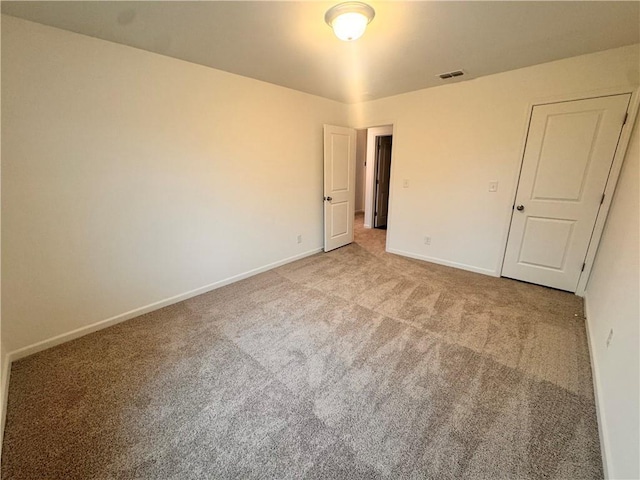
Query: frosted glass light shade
[(350, 26), (349, 20)]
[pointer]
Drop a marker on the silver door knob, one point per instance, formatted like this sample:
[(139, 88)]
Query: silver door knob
[(520, 208), (328, 199)]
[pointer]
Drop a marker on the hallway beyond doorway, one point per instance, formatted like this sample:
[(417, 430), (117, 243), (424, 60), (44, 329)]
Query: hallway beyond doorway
[(373, 240)]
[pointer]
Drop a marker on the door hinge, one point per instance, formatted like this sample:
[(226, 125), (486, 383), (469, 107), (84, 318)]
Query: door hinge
[(602, 199), (583, 265), (376, 214), (626, 115)]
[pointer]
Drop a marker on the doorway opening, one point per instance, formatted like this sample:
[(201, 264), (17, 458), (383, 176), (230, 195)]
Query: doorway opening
[(356, 186), (382, 177), (373, 175)]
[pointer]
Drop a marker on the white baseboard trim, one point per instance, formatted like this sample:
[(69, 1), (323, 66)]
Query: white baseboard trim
[(602, 429), (94, 327), (6, 373), (447, 263)]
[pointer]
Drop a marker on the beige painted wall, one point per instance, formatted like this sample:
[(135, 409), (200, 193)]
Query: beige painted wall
[(613, 302), (451, 141), (361, 157), (130, 178)]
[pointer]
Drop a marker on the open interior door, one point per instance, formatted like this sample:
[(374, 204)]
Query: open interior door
[(339, 185)]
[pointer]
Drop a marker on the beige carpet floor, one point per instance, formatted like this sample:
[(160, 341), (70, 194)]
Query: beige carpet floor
[(351, 364)]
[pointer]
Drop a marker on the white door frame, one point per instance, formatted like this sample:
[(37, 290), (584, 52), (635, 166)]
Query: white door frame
[(370, 174), (614, 174)]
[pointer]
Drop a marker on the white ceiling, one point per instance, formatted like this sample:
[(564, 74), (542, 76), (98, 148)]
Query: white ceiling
[(404, 48)]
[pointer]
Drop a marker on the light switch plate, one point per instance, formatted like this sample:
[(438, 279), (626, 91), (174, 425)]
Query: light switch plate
[(405, 183), (493, 186)]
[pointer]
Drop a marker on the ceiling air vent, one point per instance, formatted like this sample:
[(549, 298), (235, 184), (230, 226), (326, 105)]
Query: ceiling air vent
[(448, 75)]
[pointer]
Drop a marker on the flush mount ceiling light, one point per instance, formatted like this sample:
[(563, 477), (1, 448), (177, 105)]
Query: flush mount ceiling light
[(349, 19)]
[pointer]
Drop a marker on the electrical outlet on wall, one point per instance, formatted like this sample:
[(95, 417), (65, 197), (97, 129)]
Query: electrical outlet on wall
[(427, 240), (299, 238)]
